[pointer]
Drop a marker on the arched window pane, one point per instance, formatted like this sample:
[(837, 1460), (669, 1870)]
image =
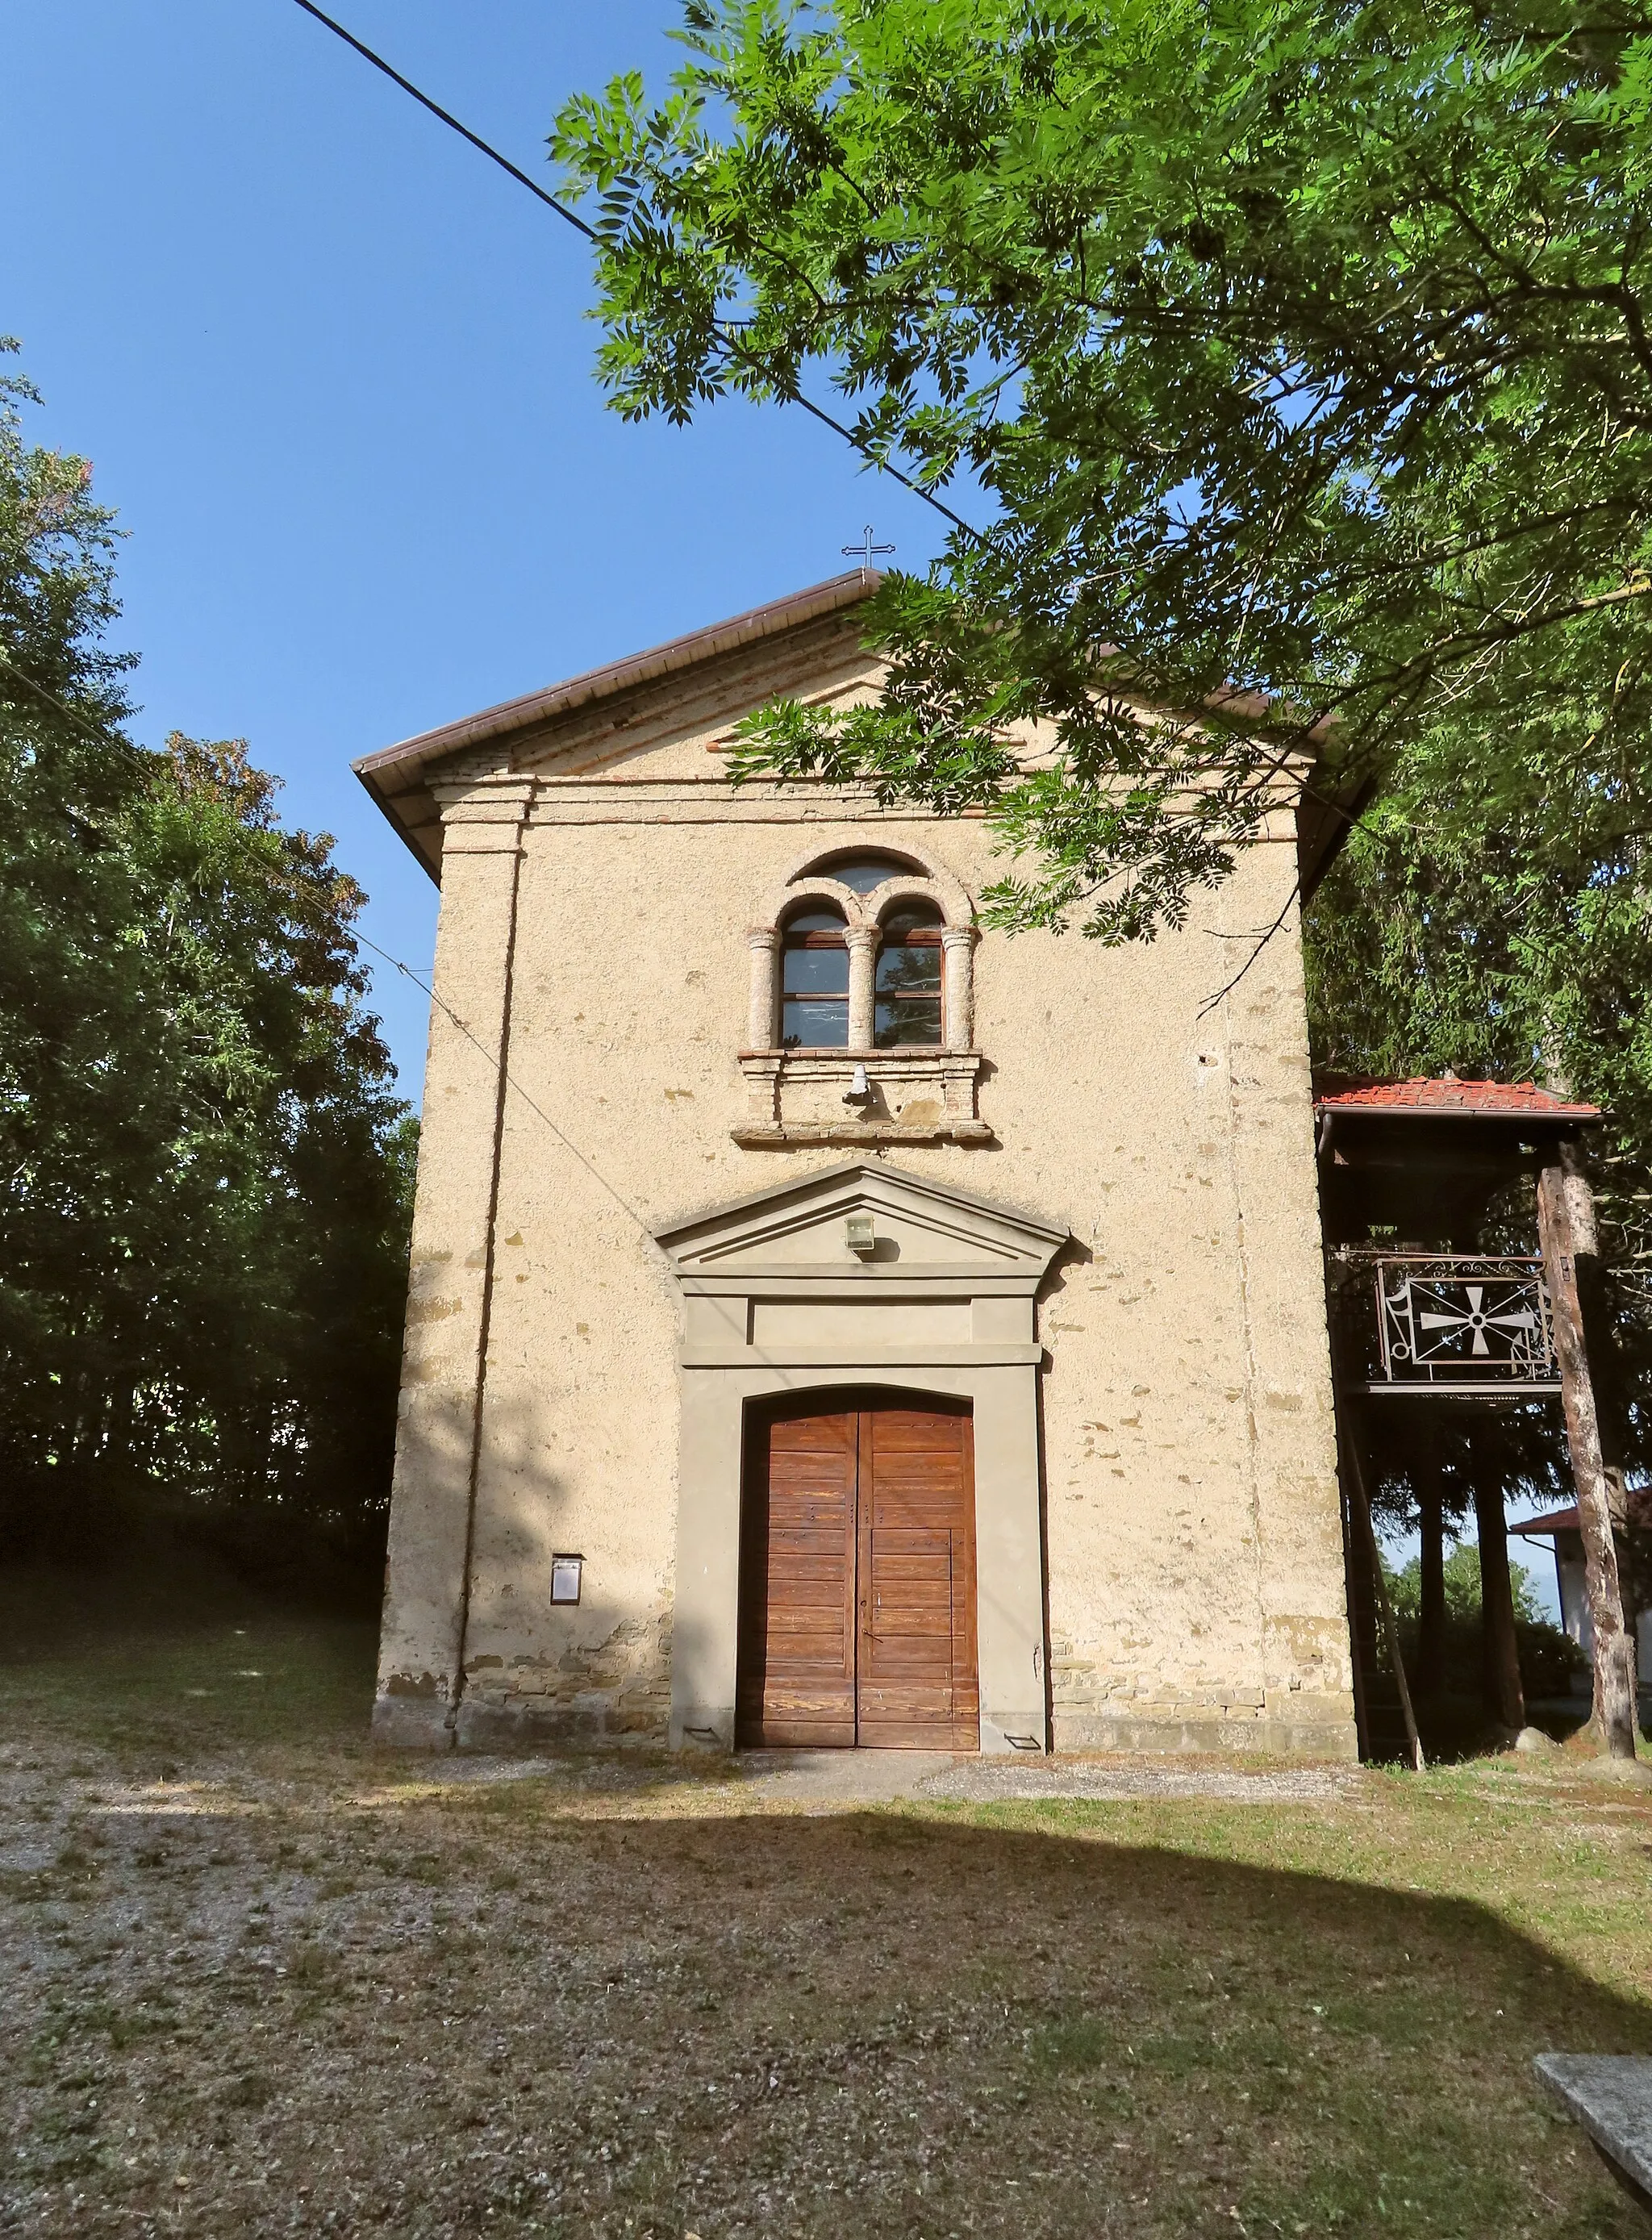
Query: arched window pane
[(807, 971), (907, 1015), (814, 980), (865, 869), (901, 917)]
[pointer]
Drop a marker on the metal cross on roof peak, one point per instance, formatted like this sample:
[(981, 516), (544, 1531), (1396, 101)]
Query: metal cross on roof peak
[(865, 549)]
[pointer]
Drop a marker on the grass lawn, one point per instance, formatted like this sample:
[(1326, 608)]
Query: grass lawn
[(258, 1980)]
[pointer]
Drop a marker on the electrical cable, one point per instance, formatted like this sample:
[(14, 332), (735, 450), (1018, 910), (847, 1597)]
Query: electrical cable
[(492, 1056), (450, 120), (99, 732), (729, 344)]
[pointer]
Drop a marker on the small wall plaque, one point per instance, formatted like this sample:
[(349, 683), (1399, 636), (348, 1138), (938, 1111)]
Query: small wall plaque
[(565, 1572)]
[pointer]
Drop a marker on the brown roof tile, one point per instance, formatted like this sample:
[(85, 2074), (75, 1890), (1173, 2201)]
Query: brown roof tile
[(1509, 1099), (1566, 1520)]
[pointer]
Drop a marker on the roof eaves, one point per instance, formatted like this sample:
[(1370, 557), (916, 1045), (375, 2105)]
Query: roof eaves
[(1639, 1500), (1533, 1114), (409, 757)]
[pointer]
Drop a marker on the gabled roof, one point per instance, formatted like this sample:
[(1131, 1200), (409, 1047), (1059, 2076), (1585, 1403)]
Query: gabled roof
[(1447, 1096), (1566, 1520), (396, 777), (399, 778)]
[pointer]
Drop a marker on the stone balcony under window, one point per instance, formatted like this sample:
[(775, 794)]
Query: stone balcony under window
[(910, 1097)]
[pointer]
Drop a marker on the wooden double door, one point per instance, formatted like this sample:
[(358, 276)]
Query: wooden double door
[(857, 1576)]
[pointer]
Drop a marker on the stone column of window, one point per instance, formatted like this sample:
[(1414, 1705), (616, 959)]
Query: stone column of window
[(957, 948), (862, 973), (761, 1032)]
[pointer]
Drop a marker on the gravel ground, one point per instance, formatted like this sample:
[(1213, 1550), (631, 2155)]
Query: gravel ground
[(260, 1983)]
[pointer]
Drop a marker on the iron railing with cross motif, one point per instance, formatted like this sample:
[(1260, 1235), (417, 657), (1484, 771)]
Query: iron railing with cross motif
[(1450, 1323)]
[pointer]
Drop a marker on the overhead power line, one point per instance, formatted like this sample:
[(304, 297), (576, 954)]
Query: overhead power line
[(100, 732), (450, 120), (728, 343)]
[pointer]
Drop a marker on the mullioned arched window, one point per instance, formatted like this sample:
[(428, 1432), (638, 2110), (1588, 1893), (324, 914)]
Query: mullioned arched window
[(866, 950)]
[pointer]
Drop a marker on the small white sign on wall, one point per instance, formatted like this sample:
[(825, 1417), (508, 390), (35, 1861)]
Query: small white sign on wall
[(565, 1572)]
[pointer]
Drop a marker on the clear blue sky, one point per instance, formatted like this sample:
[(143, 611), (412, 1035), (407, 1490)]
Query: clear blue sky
[(332, 369)]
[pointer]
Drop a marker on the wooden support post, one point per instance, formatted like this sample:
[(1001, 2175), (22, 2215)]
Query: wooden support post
[(1427, 1485), (1362, 1511), (1566, 1230), (1362, 1631), (1505, 1698)]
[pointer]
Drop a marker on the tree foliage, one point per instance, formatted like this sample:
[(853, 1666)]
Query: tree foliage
[(1280, 348), (1549, 1658), (1461, 1573), (204, 1172), (1452, 942), (1293, 359)]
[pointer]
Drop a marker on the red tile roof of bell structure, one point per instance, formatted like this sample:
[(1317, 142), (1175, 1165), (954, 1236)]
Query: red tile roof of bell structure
[(1565, 1520), (1514, 1100)]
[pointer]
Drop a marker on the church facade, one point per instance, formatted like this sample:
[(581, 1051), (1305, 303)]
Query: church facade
[(830, 1323)]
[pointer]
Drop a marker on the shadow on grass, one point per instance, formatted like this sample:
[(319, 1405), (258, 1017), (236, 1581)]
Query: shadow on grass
[(529, 2005), (1066, 2020), (1140, 2039), (870, 2024), (178, 1660)]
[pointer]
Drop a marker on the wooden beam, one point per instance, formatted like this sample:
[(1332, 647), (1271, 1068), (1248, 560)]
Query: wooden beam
[(1358, 1587), (1428, 1485), (1505, 1698), (1566, 1228), (1363, 1510)]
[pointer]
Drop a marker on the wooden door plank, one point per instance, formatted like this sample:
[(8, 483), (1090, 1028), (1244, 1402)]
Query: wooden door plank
[(794, 1686), (916, 1685), (857, 1580)]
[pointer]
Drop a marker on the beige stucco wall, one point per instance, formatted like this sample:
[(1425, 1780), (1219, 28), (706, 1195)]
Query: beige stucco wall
[(1194, 1546)]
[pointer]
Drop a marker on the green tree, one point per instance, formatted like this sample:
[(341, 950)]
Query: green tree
[(1438, 942), (1462, 1588), (1294, 358), (1548, 1659), (69, 983), (204, 1172)]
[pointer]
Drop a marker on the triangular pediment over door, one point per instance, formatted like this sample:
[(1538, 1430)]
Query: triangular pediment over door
[(815, 1229)]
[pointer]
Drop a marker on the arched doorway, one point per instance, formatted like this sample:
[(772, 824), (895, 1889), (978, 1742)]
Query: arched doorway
[(857, 1574)]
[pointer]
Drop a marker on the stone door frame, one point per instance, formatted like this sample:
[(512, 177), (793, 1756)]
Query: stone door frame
[(935, 1496), (770, 1308)]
